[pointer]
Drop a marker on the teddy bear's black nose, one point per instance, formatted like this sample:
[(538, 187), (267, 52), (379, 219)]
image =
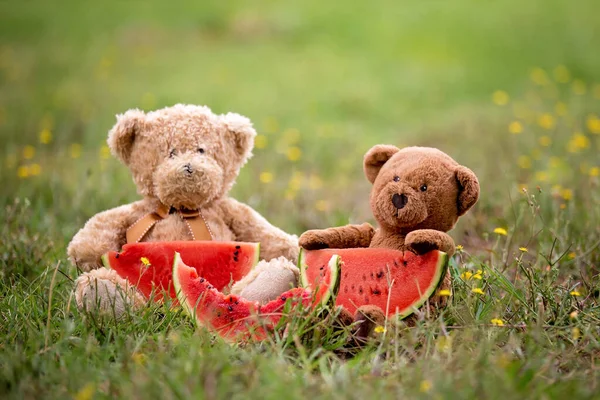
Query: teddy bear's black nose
[(399, 200), (188, 168)]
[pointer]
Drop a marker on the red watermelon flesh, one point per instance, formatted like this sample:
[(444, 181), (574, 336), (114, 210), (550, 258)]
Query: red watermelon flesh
[(397, 282), (149, 265), (233, 317)]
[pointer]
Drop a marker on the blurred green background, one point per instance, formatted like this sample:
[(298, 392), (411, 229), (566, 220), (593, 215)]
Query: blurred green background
[(322, 81)]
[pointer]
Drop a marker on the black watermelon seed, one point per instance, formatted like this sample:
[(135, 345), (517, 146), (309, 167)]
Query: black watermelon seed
[(345, 289), (321, 268), (230, 308), (201, 280), (236, 253), (238, 247), (405, 263), (366, 300), (231, 319), (235, 258), (218, 313), (360, 289), (372, 276), (283, 298), (117, 255), (376, 292), (236, 302), (396, 263), (231, 299), (352, 287), (380, 275)]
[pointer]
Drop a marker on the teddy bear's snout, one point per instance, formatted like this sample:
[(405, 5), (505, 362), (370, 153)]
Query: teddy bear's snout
[(399, 200), (187, 168)]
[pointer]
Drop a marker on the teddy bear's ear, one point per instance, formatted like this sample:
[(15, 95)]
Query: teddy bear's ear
[(468, 189), (376, 157), (122, 135), (243, 134)]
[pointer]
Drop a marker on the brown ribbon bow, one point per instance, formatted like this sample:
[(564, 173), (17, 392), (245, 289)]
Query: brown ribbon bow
[(194, 219)]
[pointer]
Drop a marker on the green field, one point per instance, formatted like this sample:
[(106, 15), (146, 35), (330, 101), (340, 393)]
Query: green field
[(509, 88)]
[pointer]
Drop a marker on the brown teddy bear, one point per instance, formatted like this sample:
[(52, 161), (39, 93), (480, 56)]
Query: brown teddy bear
[(183, 159), (418, 194)]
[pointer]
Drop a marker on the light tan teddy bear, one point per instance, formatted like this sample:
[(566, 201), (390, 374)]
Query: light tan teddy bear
[(184, 160)]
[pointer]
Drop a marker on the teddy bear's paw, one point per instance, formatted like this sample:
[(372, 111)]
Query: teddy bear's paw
[(267, 280), (419, 243), (103, 292), (313, 240)]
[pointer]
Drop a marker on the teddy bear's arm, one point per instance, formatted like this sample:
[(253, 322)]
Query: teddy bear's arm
[(103, 232), (249, 226), (423, 240), (341, 237)]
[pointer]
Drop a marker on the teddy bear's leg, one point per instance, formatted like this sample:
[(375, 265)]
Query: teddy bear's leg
[(267, 280), (104, 292), (367, 318)]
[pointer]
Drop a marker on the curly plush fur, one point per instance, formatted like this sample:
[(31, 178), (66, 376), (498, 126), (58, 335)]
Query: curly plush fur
[(185, 157), (417, 196)]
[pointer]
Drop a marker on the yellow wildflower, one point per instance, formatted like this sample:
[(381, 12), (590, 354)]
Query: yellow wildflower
[(541, 176), (75, 150), (86, 392), (28, 152), (445, 293), (539, 76), (35, 169), (459, 247), (260, 142), (594, 171), (497, 322), (271, 125), (560, 109), (576, 333), (500, 97), (139, 358), (578, 141), (573, 314), (104, 152), (524, 162), (444, 343), (501, 231), (515, 127), (266, 177), (380, 329), (567, 194), (291, 135), (315, 182), (466, 275), (555, 162), (45, 136), (561, 74), (145, 261), (293, 153), (545, 141), (546, 121), (477, 291), (479, 272), (579, 87), (523, 249), (290, 194), (295, 182), (322, 205), (425, 386), (563, 206), (477, 276), (593, 124), (23, 171), (571, 255), (575, 293)]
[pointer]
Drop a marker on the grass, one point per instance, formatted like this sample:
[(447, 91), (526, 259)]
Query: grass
[(510, 89)]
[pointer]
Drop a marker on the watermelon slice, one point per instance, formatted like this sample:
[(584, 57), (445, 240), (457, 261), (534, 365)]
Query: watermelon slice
[(398, 282), (233, 317), (149, 265)]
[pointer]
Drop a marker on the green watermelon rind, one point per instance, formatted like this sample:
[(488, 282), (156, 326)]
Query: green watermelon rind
[(181, 298), (105, 261), (441, 267), (334, 265)]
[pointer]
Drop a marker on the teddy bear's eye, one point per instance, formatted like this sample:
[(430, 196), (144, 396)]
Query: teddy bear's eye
[(423, 188), (396, 178), (201, 150), (171, 153)]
